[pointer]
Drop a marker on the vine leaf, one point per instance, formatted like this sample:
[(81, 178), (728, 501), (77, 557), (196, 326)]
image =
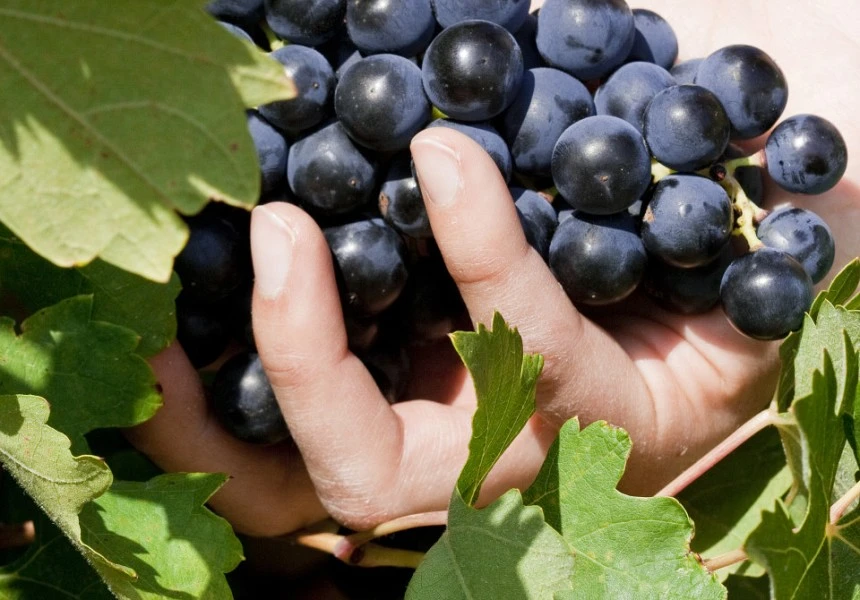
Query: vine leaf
[(815, 558), (62, 354), (119, 297), (726, 502), (623, 546), (139, 113), (39, 460), (160, 528), (505, 381)]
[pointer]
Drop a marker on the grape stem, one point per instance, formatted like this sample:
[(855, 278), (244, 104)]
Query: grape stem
[(754, 160), (368, 555), (727, 559), (841, 506), (747, 213), (350, 542), (763, 419)]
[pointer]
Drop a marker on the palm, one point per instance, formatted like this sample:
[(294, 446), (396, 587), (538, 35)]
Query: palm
[(677, 384)]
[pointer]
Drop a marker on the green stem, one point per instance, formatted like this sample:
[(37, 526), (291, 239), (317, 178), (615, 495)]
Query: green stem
[(728, 559), (746, 212), (659, 171), (753, 160)]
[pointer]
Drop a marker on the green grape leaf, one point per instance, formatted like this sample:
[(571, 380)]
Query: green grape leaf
[(505, 550), (726, 502), (160, 528), (841, 288), (138, 113), (88, 369), (119, 297), (505, 381), (39, 460), (624, 546), (812, 558)]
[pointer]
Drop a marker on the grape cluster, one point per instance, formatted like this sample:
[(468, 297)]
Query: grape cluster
[(621, 164)]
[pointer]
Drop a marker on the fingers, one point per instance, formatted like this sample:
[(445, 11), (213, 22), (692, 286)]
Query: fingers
[(481, 239), (269, 492)]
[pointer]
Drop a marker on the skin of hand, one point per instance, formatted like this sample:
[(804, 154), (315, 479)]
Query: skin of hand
[(677, 384)]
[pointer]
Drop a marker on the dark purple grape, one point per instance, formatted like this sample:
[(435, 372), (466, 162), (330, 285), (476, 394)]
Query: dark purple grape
[(383, 26), (216, 259), (600, 165), (271, 154), (239, 12), (806, 154), (308, 22), (329, 174), (370, 259), (341, 54), (430, 306), (472, 70), (314, 80), (549, 101), (244, 403), (510, 14), (486, 136), (201, 332), (685, 72), (237, 31), (537, 217), (687, 291), (400, 200), (361, 332), (686, 127), (655, 40), (802, 234), (597, 259), (749, 85), (380, 102), (688, 220), (585, 38), (627, 92), (766, 293)]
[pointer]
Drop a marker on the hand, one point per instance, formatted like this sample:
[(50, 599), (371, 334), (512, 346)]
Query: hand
[(677, 384)]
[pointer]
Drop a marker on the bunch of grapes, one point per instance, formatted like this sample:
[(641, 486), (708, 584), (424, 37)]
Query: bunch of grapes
[(622, 165)]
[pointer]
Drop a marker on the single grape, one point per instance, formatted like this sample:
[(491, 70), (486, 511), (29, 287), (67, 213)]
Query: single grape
[(585, 38), (472, 70), (597, 259), (380, 102), (314, 79), (329, 174), (271, 154), (806, 154), (750, 86), (655, 39), (400, 201), (486, 136), (370, 259), (686, 127), (549, 101), (766, 293), (308, 22), (216, 259), (537, 217), (802, 234), (201, 332), (688, 220), (382, 26), (600, 165), (510, 14), (627, 92), (687, 291), (244, 403), (685, 71)]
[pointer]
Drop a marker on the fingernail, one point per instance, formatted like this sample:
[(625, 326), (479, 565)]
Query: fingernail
[(272, 242), (438, 169)]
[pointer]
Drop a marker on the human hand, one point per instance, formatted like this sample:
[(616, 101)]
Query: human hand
[(678, 384)]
